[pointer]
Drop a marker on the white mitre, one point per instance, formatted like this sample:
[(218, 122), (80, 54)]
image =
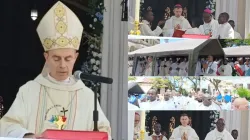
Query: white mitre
[(60, 28)]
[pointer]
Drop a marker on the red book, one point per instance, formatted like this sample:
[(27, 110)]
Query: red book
[(178, 33), (74, 135)]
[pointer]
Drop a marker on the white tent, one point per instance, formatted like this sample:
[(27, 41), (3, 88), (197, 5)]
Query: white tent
[(190, 47), (241, 51)]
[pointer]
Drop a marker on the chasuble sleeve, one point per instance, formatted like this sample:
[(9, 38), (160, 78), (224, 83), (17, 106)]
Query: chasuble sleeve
[(174, 135), (14, 122), (146, 30)]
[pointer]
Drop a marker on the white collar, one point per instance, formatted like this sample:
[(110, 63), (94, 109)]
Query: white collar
[(66, 81), (177, 18), (156, 135)]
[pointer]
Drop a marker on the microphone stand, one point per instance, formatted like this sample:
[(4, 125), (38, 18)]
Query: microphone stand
[(95, 112)]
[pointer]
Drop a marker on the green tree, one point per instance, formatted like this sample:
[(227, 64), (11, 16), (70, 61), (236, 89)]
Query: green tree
[(195, 80), (244, 93), (231, 42), (215, 82)]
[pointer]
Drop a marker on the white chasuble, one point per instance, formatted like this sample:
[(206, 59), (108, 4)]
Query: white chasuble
[(216, 135), (170, 25), (180, 130), (40, 104)]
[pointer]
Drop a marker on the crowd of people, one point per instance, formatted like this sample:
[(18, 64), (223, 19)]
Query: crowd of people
[(210, 66), (223, 28), (172, 100), (185, 131)]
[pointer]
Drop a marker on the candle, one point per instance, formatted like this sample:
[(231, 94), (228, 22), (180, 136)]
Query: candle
[(137, 10), (143, 117)]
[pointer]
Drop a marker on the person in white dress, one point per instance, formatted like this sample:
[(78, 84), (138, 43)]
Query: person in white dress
[(225, 30), (55, 99), (225, 69), (210, 68), (146, 25), (219, 133), (176, 22), (137, 126), (184, 131), (149, 67), (236, 34), (210, 26), (167, 66), (174, 66)]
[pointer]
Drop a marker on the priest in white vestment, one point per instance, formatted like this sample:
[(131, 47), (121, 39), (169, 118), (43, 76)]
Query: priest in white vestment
[(168, 104), (210, 26), (176, 22), (182, 66), (236, 34), (55, 99), (219, 133), (146, 25), (184, 131), (225, 30)]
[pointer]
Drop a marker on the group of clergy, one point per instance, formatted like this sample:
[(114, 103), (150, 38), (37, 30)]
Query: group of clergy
[(223, 28), (172, 100), (185, 131), (179, 67)]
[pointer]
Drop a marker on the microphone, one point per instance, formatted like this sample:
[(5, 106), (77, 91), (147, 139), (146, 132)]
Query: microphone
[(93, 78)]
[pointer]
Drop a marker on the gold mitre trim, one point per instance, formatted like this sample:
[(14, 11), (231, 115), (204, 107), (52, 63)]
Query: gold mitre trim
[(60, 28)]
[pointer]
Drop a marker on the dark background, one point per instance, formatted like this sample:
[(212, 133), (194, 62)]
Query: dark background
[(195, 8), (201, 122), (21, 50)]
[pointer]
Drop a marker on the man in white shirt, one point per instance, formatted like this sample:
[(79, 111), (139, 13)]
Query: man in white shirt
[(219, 133), (184, 131), (168, 104), (146, 25), (236, 34), (210, 25), (153, 103), (225, 30), (176, 22)]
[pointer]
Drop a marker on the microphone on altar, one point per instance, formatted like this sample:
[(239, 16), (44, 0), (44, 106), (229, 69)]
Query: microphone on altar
[(77, 135)]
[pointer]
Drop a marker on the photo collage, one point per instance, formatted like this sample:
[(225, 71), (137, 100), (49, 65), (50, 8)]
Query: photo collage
[(188, 70)]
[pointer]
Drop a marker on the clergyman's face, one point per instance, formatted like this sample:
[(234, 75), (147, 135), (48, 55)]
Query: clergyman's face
[(157, 128), (152, 94), (220, 125), (166, 96), (60, 62), (137, 120), (177, 12), (222, 19), (207, 17), (184, 120)]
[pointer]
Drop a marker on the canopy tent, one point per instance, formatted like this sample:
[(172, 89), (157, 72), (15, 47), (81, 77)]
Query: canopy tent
[(240, 51), (134, 88), (192, 48)]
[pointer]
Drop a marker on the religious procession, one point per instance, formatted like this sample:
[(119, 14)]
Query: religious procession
[(188, 57), (215, 19), (188, 125), (188, 93)]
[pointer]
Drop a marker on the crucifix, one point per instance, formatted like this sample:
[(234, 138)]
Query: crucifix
[(64, 111)]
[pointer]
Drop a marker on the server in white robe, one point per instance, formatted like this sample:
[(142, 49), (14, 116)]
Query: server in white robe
[(225, 30), (174, 66), (182, 66), (184, 131), (167, 66), (149, 67), (176, 22), (210, 26), (55, 93), (157, 133), (146, 25), (219, 133), (236, 34)]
